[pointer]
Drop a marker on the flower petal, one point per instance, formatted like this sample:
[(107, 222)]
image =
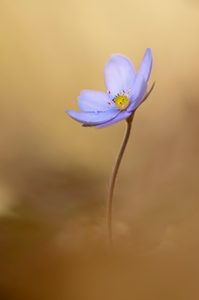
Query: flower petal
[(138, 92), (92, 118), (146, 65), (119, 74), (121, 116), (94, 101)]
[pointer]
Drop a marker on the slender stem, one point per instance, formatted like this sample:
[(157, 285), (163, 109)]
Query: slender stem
[(114, 176), (117, 165)]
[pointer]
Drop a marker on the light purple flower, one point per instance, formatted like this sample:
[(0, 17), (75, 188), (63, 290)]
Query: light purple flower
[(125, 92)]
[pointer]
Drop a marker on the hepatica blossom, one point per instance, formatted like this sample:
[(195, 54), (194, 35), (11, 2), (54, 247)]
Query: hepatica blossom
[(126, 90)]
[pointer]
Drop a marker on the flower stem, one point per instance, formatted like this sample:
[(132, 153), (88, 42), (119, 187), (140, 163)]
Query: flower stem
[(116, 168), (114, 176)]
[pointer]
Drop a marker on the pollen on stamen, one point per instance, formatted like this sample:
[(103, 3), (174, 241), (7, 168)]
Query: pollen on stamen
[(121, 101)]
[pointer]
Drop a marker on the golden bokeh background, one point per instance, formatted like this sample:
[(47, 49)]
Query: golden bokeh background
[(54, 173)]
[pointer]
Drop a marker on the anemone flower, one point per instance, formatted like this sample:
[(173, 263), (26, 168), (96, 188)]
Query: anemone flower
[(126, 90)]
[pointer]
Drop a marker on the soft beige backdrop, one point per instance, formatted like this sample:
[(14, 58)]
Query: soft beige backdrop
[(54, 173)]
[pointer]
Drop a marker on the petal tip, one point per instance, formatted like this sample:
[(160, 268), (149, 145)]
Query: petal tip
[(68, 111), (148, 54), (148, 50)]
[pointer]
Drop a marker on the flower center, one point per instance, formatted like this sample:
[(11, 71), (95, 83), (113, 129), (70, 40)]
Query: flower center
[(121, 101)]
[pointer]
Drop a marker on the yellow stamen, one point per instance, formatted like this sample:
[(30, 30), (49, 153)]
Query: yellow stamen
[(121, 101)]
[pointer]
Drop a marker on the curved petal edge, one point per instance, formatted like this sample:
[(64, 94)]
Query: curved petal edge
[(146, 65)]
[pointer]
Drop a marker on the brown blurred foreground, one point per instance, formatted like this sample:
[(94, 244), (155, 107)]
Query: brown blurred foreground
[(53, 243)]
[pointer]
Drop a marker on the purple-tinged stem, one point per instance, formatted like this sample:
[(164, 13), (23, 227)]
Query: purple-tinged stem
[(114, 176)]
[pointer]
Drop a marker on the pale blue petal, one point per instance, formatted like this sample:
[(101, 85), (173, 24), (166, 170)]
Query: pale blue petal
[(146, 65), (121, 116), (92, 118), (138, 92), (95, 101), (119, 74)]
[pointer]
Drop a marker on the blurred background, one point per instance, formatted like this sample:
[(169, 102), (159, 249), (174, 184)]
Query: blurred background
[(54, 173)]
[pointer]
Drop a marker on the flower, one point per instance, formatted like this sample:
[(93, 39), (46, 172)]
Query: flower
[(125, 92)]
